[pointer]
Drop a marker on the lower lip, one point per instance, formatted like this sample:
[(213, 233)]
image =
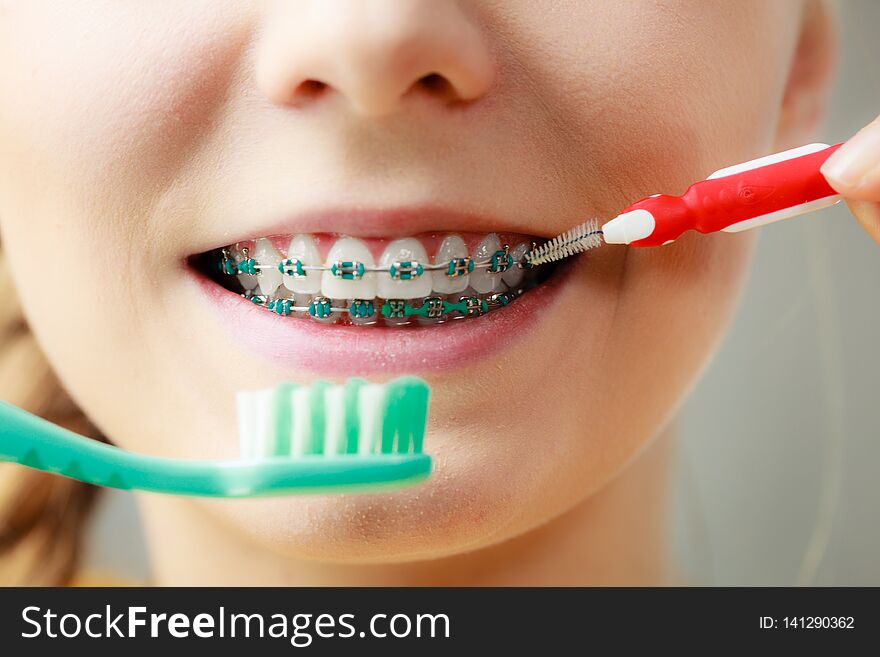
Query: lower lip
[(334, 350)]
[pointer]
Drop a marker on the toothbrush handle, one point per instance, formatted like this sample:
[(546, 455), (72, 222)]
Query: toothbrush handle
[(36, 443), (735, 198)]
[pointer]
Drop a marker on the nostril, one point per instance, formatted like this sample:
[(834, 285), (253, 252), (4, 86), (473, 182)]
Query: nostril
[(434, 82), (310, 89), (438, 87)]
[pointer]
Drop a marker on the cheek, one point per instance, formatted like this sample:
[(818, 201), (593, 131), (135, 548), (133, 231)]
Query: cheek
[(653, 95), (601, 391), (91, 107), (676, 304), (102, 106)]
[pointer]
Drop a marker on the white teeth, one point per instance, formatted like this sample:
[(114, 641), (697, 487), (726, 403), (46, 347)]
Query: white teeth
[(302, 248), (363, 320), (357, 284), (451, 247), (481, 279), (403, 271), (267, 255), (333, 316), (247, 281), (514, 275), (404, 250)]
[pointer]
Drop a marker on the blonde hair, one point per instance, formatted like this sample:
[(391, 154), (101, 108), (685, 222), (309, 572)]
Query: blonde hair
[(42, 516)]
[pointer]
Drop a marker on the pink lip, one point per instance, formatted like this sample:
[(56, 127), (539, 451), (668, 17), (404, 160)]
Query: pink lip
[(334, 350)]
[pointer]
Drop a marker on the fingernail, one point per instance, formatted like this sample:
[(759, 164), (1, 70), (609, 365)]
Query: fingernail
[(855, 159)]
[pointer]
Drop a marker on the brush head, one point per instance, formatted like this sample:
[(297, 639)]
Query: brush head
[(356, 418), (581, 238)]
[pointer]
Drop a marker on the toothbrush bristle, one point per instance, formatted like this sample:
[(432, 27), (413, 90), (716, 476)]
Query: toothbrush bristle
[(324, 419), (581, 238)]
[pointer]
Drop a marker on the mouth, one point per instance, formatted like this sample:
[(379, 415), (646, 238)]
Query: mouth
[(376, 282), (343, 304)]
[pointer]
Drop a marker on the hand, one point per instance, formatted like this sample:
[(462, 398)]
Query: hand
[(854, 171)]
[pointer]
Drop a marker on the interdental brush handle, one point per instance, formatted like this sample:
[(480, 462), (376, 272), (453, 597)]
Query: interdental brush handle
[(735, 198)]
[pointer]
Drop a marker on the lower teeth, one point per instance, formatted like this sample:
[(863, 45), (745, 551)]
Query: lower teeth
[(385, 312)]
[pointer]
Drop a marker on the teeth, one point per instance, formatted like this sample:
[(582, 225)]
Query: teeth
[(302, 247), (266, 254), (481, 279), (319, 309), (427, 321), (366, 313), (404, 250), (247, 281), (352, 282), (334, 317), (344, 280), (451, 247), (514, 275)]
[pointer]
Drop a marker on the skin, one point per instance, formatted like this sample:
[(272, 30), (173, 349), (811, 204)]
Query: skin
[(134, 135), (854, 171)]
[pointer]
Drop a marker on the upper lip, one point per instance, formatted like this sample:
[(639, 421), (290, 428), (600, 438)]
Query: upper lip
[(373, 222)]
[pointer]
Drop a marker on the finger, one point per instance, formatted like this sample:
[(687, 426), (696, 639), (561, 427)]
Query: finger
[(868, 215), (854, 170)]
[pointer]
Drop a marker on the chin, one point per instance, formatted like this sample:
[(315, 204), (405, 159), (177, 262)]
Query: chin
[(468, 503)]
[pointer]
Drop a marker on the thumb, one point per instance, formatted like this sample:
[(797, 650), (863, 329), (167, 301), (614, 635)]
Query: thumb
[(854, 169), (854, 172)]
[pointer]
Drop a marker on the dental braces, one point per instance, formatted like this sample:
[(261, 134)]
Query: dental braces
[(321, 307), (352, 270)]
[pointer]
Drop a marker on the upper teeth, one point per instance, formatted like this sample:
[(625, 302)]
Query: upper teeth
[(514, 275), (266, 254), (348, 279), (483, 280), (451, 248), (405, 260), (403, 271), (303, 250)]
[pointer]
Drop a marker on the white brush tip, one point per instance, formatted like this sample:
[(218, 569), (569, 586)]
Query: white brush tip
[(629, 227)]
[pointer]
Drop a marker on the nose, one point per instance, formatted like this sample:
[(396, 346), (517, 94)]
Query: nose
[(374, 53)]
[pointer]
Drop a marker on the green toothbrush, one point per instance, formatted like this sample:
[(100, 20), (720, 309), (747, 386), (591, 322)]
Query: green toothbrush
[(322, 438)]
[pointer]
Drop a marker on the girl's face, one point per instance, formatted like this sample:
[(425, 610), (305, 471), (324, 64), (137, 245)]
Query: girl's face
[(136, 135)]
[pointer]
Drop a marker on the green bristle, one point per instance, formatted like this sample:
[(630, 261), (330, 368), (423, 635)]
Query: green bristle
[(403, 417), (282, 402), (415, 411), (391, 421), (352, 417), (317, 406)]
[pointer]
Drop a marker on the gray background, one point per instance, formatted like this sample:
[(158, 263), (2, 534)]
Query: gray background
[(780, 449)]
